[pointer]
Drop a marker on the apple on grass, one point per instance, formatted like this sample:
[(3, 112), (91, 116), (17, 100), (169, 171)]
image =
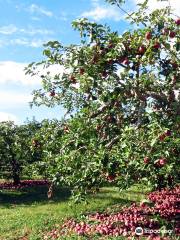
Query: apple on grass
[(146, 160), (125, 221), (162, 161)]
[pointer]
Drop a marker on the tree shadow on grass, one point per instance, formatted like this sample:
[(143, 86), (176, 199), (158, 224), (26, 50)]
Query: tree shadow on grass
[(32, 195), (38, 195)]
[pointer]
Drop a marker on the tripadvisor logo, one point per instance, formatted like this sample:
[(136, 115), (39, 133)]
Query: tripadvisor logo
[(139, 231)]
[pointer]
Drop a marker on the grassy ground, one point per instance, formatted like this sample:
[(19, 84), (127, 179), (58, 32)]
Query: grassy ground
[(25, 214)]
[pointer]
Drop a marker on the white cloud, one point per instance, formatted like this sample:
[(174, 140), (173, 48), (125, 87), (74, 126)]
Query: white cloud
[(101, 12), (39, 10), (36, 43), (35, 31), (13, 98), (154, 4), (13, 72), (26, 36), (4, 116), (18, 98), (8, 30), (113, 13)]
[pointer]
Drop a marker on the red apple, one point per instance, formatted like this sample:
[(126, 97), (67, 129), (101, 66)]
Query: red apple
[(110, 178), (174, 65), (142, 204), (121, 59), (110, 45), (148, 35), (165, 31), (81, 71), (168, 133), (125, 61), (162, 137), (177, 21), (110, 62), (162, 161), (142, 49), (172, 34), (52, 93), (146, 160), (98, 127), (157, 45), (66, 129), (104, 74), (109, 118), (73, 79)]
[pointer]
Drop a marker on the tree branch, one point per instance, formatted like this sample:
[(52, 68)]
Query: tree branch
[(127, 13), (161, 97), (113, 141), (100, 110)]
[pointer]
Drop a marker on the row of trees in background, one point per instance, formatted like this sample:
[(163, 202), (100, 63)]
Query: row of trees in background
[(23, 149)]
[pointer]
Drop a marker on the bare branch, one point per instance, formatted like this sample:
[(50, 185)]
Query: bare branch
[(113, 141)]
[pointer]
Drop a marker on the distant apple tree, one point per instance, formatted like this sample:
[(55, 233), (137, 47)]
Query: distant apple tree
[(18, 150), (46, 145), (122, 93)]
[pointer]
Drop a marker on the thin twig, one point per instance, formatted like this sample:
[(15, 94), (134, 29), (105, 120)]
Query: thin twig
[(101, 110), (113, 141), (127, 13)]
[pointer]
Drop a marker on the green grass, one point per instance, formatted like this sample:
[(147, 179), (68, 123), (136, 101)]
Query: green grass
[(28, 212)]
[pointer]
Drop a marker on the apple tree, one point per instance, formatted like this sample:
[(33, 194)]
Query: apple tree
[(16, 149), (121, 92), (46, 144)]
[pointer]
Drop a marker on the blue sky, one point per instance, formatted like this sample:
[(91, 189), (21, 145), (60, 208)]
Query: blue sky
[(24, 26)]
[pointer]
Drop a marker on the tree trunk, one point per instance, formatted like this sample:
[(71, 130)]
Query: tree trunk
[(15, 172), (16, 178)]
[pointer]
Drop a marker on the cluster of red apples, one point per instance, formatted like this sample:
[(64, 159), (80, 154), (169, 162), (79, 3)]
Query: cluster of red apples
[(140, 51), (124, 221)]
